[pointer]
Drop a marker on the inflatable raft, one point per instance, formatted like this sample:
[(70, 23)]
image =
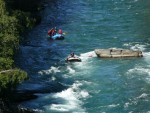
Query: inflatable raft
[(73, 59), (57, 37)]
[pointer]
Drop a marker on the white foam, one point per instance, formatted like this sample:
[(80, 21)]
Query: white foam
[(138, 47), (53, 78), (135, 46), (148, 79), (88, 55), (59, 107), (77, 85), (136, 100), (71, 71), (144, 95), (113, 105), (86, 63), (147, 54), (49, 71), (71, 99), (126, 105), (147, 57), (139, 71), (110, 106), (126, 44), (84, 94), (87, 82), (37, 110)]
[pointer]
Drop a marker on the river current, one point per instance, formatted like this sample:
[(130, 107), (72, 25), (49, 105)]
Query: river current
[(95, 85)]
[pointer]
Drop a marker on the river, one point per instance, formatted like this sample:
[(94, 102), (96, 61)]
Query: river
[(94, 85)]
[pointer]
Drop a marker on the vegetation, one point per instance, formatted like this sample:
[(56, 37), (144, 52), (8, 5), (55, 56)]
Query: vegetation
[(14, 20), (9, 79)]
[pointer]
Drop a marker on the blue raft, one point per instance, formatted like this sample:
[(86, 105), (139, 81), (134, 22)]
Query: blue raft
[(57, 36)]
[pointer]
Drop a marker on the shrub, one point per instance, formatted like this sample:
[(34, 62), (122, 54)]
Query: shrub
[(9, 79), (6, 63)]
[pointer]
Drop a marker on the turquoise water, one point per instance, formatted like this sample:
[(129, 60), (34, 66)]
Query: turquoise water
[(94, 85)]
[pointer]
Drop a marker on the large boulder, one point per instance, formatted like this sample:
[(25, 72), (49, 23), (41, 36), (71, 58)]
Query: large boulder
[(117, 53)]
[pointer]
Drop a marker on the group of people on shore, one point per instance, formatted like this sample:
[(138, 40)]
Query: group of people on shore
[(54, 31)]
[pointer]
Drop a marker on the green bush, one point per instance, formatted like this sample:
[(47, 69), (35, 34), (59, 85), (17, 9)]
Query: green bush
[(24, 20), (2, 8), (9, 79), (15, 18), (9, 24), (12, 23), (6, 63)]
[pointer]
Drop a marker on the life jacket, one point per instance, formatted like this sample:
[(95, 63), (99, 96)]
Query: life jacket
[(60, 31), (51, 32)]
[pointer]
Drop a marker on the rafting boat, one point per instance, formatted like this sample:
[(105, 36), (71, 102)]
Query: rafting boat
[(74, 58), (57, 36)]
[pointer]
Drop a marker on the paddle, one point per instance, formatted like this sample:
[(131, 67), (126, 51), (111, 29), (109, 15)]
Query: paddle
[(64, 33)]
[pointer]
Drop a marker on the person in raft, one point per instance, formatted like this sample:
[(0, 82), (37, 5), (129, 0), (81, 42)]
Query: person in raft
[(60, 31), (72, 55), (53, 31)]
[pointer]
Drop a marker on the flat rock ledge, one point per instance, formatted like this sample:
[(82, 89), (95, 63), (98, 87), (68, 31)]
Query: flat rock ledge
[(117, 53)]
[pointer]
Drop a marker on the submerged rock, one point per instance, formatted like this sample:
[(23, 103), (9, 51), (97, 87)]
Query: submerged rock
[(117, 53)]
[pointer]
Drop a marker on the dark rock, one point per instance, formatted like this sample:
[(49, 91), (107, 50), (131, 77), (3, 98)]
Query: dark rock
[(23, 96), (7, 106)]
